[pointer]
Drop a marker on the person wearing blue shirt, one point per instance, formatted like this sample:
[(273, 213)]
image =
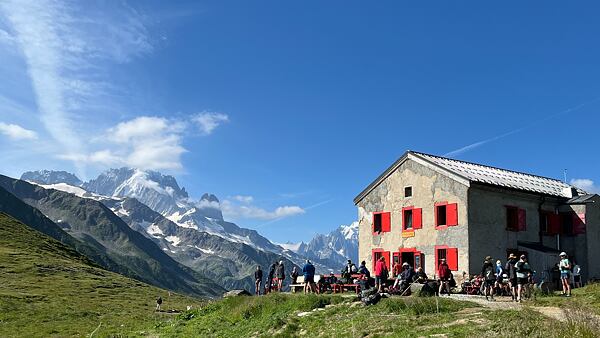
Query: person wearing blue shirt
[(309, 277)]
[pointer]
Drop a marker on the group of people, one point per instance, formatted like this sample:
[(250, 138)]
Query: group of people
[(517, 275), (275, 278)]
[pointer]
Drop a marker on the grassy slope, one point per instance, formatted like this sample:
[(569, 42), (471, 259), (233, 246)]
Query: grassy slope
[(48, 289), (277, 315)]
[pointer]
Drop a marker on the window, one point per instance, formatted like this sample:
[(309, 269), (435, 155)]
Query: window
[(446, 214), (544, 222), (450, 254), (408, 220), (411, 218), (407, 192), (515, 219), (381, 222)]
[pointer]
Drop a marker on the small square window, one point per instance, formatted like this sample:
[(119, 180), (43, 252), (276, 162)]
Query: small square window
[(407, 191)]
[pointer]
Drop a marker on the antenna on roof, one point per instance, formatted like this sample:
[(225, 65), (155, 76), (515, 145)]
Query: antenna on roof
[(565, 174)]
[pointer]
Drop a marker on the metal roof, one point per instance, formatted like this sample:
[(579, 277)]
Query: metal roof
[(474, 172), (583, 199)]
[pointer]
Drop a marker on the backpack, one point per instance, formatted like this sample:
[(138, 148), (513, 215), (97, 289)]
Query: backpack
[(489, 272), (519, 266), (372, 299)]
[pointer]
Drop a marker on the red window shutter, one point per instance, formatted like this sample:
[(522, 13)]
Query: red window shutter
[(386, 255), (553, 224), (385, 223), (452, 258), (452, 214), (522, 220), (578, 223), (417, 218)]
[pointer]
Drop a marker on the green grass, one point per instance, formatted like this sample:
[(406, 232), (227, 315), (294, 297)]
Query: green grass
[(48, 289), (587, 297)]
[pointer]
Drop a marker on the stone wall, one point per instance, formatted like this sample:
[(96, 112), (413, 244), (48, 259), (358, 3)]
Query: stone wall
[(428, 187)]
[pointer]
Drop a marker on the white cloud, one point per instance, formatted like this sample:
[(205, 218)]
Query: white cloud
[(585, 184), (235, 211), (209, 121), (17, 132), (243, 199)]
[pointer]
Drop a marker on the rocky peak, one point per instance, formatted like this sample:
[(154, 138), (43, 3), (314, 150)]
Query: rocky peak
[(51, 177)]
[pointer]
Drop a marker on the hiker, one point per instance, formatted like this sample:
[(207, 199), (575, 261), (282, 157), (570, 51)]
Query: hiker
[(309, 277), (523, 271), (576, 275), (270, 277), (381, 274), (362, 269), (444, 276), (158, 303), (280, 273), (396, 269), (258, 276), (350, 267), (501, 287), (565, 274), (421, 276), (489, 277), (512, 275), (294, 275)]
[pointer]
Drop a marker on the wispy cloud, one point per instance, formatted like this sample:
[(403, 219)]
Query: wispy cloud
[(316, 205), (245, 210), (518, 130), (209, 121), (16, 132), (586, 184), (64, 49)]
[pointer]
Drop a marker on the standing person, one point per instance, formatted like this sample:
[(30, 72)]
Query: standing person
[(576, 275), (512, 275), (258, 276), (294, 275), (309, 277), (158, 303), (280, 275), (444, 276), (489, 277), (523, 271), (396, 270), (565, 274), (500, 277), (270, 277), (381, 273)]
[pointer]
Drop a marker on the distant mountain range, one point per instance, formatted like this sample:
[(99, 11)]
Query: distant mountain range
[(192, 233)]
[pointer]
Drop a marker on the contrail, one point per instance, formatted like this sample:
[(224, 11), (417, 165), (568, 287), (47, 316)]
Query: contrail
[(307, 208), (518, 130)]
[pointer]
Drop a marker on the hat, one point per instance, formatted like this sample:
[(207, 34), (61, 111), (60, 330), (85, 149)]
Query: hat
[(498, 262), (563, 254), (523, 256), (512, 255), (404, 264), (488, 258)]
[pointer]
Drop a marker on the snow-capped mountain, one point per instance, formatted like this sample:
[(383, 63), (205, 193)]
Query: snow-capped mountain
[(191, 231), (334, 248), (51, 177)]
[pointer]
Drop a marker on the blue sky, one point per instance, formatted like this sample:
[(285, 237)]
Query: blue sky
[(287, 110)]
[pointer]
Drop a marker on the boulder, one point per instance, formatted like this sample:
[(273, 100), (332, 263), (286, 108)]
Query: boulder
[(235, 293)]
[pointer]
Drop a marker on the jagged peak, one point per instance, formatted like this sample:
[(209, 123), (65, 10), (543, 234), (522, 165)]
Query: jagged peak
[(46, 176)]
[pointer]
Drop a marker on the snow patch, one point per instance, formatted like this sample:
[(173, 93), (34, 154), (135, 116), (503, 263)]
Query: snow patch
[(290, 246), (206, 251), (173, 240), (154, 230)]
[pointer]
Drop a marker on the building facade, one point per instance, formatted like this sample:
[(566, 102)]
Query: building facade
[(425, 207)]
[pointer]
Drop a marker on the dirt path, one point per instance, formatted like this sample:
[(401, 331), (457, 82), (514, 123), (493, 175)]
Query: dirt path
[(505, 303)]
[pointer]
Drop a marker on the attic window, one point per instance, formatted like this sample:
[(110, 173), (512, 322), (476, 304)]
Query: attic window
[(407, 191)]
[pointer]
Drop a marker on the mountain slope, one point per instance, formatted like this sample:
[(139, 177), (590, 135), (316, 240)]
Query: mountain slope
[(51, 177), (231, 264), (92, 222), (49, 289)]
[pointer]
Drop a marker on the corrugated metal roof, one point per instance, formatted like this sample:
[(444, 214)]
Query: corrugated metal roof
[(501, 177), (587, 198), (474, 172)]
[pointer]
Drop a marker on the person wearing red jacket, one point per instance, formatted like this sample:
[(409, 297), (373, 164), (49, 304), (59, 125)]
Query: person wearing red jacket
[(444, 276), (381, 273)]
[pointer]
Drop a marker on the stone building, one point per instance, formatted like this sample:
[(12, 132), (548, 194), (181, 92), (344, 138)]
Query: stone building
[(425, 207)]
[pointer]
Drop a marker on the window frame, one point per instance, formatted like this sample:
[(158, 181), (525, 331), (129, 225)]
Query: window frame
[(411, 191)]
